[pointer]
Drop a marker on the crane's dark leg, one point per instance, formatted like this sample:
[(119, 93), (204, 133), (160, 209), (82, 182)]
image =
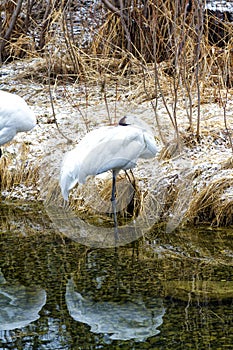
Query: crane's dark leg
[(113, 199)]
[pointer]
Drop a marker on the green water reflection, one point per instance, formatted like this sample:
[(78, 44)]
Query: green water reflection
[(165, 291)]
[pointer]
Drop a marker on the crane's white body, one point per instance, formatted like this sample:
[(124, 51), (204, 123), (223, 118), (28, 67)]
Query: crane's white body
[(107, 148), (15, 116)]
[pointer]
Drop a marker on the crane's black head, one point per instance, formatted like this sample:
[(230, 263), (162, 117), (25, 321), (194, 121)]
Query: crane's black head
[(123, 121)]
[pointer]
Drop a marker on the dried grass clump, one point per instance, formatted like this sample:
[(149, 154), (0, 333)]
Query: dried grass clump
[(170, 150), (40, 70), (18, 171), (214, 203), (92, 201)]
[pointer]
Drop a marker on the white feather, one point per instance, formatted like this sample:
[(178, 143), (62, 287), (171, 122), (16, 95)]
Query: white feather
[(103, 149), (15, 116)]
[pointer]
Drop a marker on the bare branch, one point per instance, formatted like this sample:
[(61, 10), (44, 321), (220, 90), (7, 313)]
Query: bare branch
[(9, 30), (111, 7), (123, 17)]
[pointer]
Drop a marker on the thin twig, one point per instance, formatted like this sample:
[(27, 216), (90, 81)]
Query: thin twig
[(53, 109)]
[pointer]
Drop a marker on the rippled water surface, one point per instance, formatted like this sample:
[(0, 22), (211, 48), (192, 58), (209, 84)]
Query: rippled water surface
[(163, 291)]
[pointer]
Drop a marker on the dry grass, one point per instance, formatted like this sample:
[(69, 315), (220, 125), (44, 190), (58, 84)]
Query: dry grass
[(159, 34), (214, 203), (15, 171), (92, 200)]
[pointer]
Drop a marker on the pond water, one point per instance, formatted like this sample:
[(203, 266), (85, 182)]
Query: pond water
[(162, 291)]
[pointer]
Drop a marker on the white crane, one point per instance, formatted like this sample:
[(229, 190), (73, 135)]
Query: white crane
[(106, 148), (15, 116)]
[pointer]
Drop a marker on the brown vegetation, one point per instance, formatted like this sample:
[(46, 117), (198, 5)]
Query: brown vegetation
[(177, 47), (18, 172)]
